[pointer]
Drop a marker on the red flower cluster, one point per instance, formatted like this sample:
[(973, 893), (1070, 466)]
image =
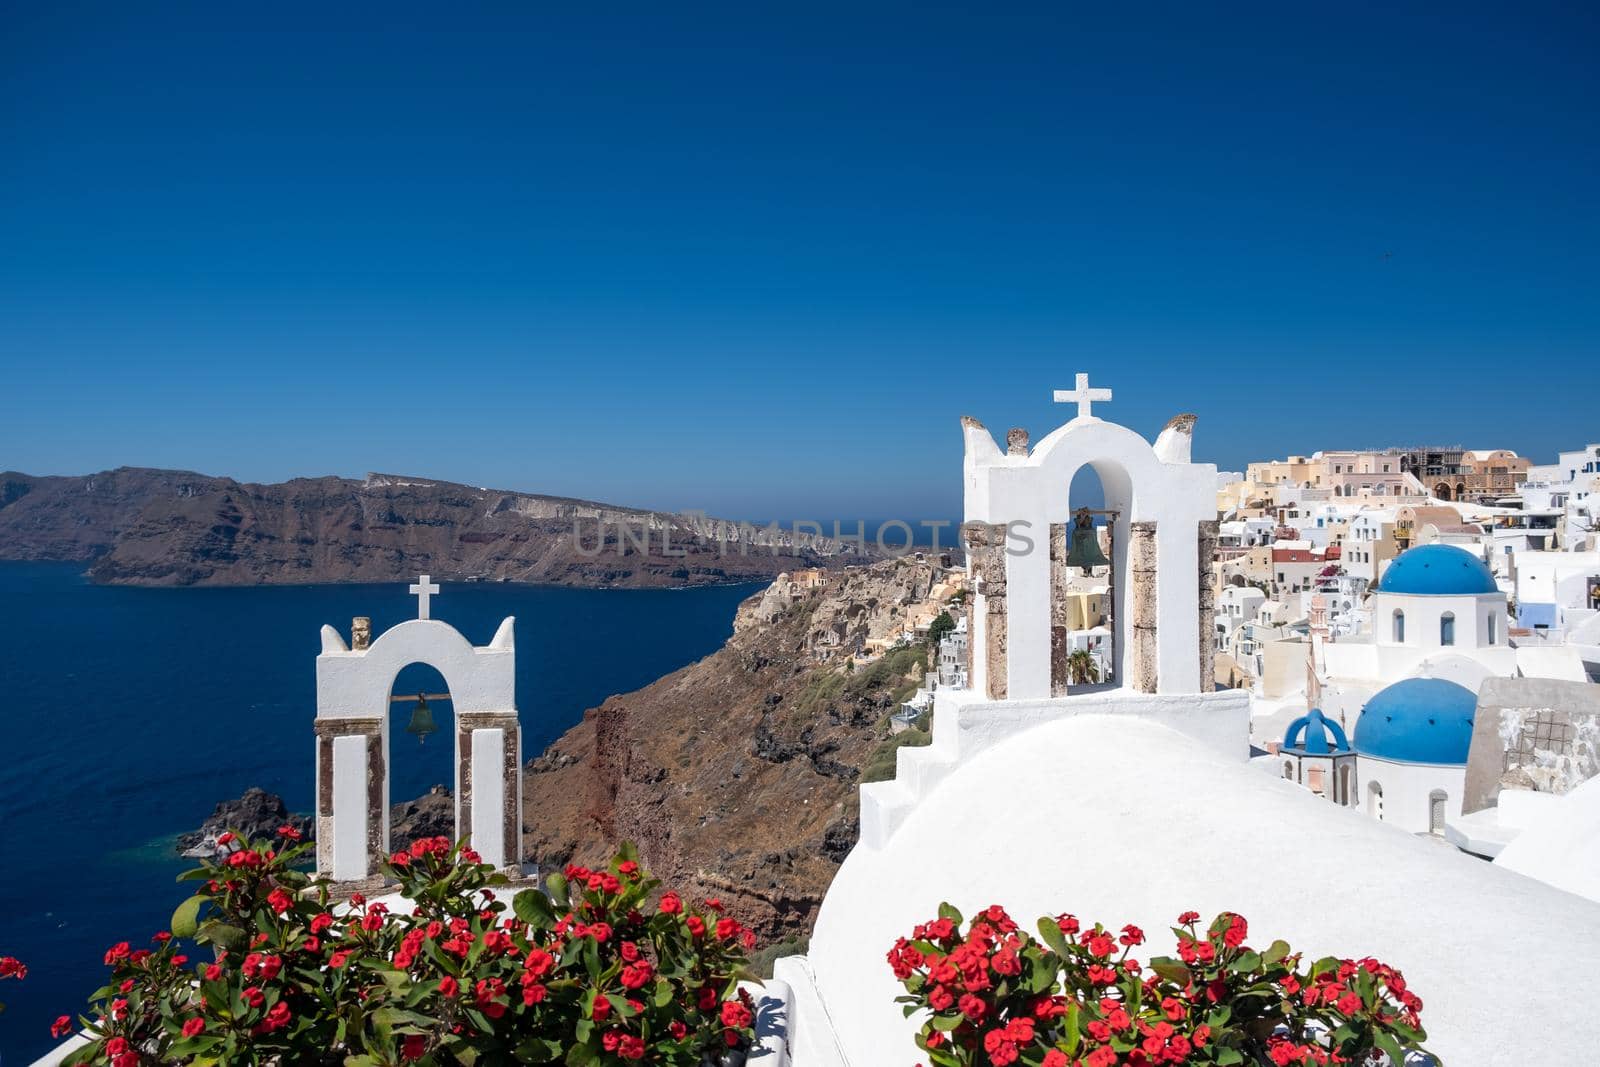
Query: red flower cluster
[(1075, 997), (464, 976)]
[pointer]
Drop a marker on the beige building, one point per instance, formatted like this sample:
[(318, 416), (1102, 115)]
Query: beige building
[(1492, 474)]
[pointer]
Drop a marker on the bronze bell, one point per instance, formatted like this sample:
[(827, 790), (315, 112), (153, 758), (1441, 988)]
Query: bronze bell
[(1085, 551), (421, 722)]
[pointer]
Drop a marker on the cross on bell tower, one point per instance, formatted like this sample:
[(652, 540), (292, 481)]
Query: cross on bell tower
[(1083, 396), (423, 590)]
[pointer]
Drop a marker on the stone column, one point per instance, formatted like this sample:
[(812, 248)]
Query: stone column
[(1208, 606), (1143, 664), (361, 752), (1059, 534), (986, 547), (489, 803)]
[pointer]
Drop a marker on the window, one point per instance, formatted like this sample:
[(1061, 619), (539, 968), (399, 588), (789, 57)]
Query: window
[(1447, 628), (1436, 802), (1493, 628), (1399, 627)]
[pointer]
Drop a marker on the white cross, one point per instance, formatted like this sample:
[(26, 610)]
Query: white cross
[(1083, 395), (422, 590)]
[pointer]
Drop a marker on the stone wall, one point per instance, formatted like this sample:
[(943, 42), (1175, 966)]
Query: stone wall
[(1532, 733), (1208, 606), (1143, 614), (986, 548)]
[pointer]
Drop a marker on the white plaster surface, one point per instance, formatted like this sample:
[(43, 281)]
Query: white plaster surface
[(357, 684), (1562, 846), (1121, 819), (350, 808), (489, 795), (1407, 790)]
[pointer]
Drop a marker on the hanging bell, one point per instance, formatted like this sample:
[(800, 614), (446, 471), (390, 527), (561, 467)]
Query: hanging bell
[(1085, 551), (421, 722)]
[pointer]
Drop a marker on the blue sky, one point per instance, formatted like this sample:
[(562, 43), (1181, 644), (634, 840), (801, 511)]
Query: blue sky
[(759, 262)]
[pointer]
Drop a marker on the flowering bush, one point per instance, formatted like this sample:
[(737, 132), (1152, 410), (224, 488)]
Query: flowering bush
[(1077, 998), (589, 974)]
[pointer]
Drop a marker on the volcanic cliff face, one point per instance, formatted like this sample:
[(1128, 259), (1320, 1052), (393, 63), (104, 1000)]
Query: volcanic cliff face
[(156, 527), (737, 775)]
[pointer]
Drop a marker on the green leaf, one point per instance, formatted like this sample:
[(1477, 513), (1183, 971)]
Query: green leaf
[(185, 921), (1069, 1031), (1386, 1041), (215, 932), (1172, 970), (1051, 935), (948, 911), (557, 885), (1275, 952), (948, 1022), (1249, 961), (533, 908)]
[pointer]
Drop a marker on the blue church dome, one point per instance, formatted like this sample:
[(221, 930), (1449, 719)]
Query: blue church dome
[(1438, 570), (1321, 737), (1419, 720)]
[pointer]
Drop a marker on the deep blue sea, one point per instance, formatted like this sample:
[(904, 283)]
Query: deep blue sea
[(126, 714)]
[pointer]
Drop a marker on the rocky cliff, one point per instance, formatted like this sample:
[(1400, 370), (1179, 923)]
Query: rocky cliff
[(158, 527), (737, 775)]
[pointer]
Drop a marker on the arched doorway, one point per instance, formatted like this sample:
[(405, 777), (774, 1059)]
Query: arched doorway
[(1442, 491), (1343, 795), (1085, 646), (420, 739)]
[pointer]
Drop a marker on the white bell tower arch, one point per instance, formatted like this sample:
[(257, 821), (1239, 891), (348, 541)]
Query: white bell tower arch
[(352, 739)]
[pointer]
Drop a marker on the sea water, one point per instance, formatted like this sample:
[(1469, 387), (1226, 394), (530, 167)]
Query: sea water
[(126, 714)]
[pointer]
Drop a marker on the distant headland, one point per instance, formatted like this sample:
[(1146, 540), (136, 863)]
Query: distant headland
[(140, 526)]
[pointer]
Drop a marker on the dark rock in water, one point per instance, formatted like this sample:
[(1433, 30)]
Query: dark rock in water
[(260, 814), (431, 815), (257, 813)]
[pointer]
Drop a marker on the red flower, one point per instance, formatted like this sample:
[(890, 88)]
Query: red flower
[(61, 1027), (289, 833), (1101, 945), (1131, 935), (449, 987), (1188, 918), (253, 996), (736, 1015), (194, 1026), (487, 993), (671, 904), (601, 1010), (279, 901), (414, 1047), (277, 1017)]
